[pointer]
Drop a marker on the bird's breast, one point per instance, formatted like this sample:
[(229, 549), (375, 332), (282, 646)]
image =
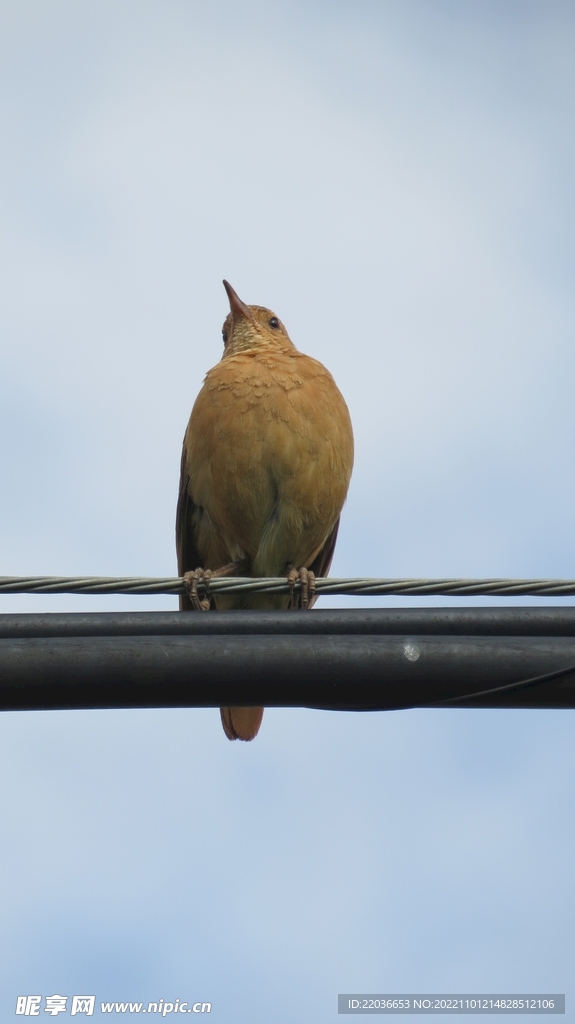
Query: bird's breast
[(268, 436)]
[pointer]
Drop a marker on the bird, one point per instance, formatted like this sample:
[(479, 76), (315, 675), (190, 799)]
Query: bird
[(266, 463)]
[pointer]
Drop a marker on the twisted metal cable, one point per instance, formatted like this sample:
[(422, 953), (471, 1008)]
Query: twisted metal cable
[(356, 587)]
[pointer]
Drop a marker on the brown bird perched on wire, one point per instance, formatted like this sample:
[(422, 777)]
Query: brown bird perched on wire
[(266, 464)]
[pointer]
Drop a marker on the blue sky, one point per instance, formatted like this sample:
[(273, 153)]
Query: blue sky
[(394, 179)]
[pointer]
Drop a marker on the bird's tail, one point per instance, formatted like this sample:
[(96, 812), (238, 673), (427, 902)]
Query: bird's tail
[(241, 723)]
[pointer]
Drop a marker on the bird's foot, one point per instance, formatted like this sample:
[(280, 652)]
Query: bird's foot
[(191, 580), (307, 585)]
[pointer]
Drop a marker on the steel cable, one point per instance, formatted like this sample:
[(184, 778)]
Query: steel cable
[(355, 587)]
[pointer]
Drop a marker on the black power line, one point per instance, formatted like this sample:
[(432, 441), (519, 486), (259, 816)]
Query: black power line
[(340, 659)]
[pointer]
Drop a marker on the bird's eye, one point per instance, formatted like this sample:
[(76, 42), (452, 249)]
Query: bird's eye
[(274, 322), (225, 337)]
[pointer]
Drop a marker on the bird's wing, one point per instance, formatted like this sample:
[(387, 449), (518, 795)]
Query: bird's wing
[(186, 545), (322, 562)]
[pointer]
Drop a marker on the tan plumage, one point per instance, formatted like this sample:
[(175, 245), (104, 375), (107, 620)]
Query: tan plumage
[(266, 464)]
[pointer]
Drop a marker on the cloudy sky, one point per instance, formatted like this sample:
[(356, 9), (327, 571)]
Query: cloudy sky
[(395, 179)]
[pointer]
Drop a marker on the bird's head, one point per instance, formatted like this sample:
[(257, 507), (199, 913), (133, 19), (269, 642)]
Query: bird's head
[(252, 327)]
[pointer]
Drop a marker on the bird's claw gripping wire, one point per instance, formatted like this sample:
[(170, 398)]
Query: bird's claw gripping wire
[(191, 579), (307, 586)]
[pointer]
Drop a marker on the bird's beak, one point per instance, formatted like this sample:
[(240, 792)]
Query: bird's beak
[(237, 307)]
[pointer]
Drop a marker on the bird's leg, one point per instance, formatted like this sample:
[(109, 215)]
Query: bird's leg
[(191, 580), (307, 585)]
